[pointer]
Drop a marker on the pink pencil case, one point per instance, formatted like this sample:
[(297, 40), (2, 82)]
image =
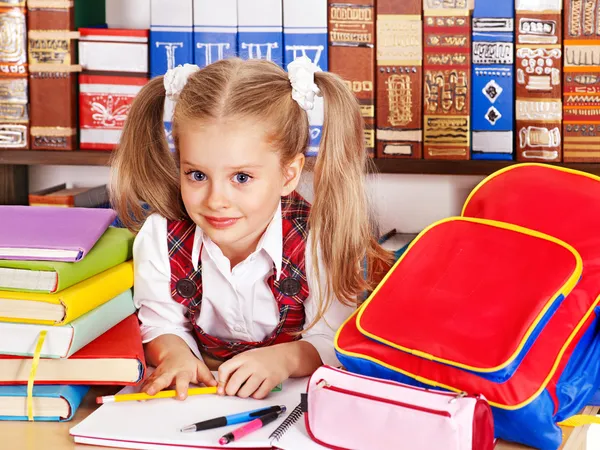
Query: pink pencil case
[(347, 411)]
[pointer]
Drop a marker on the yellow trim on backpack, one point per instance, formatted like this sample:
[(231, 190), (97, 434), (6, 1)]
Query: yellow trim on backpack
[(516, 166), (563, 290), (453, 389)]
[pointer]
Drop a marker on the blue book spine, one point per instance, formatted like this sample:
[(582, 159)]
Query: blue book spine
[(72, 394), (305, 34), (260, 30), (493, 96), (171, 35), (215, 31), (171, 42)]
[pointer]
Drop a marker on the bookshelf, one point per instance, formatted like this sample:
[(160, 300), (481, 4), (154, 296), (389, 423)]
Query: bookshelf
[(398, 166)]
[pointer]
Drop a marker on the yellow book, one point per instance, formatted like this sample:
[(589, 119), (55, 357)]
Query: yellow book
[(62, 307)]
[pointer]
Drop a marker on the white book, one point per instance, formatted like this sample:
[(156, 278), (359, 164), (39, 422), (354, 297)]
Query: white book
[(260, 30), (171, 35), (156, 424), (130, 14), (215, 31)]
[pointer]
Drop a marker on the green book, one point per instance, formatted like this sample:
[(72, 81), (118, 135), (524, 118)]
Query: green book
[(113, 248), (62, 341)]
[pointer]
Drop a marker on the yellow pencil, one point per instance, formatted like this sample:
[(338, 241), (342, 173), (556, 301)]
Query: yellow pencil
[(161, 394)]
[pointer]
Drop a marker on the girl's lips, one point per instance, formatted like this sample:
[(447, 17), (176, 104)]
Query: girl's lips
[(221, 222)]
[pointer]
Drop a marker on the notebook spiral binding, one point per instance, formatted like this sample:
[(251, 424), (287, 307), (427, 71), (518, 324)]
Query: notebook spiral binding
[(290, 420)]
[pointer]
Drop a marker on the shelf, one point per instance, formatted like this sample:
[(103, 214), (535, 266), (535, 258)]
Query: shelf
[(56, 158), (445, 167), (387, 165)]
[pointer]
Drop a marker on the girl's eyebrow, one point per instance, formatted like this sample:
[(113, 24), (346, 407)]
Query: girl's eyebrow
[(245, 166)]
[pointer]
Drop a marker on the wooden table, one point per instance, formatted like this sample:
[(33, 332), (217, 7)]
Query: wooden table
[(55, 436)]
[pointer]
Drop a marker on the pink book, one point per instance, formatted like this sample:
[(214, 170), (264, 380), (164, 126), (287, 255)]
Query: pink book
[(48, 233)]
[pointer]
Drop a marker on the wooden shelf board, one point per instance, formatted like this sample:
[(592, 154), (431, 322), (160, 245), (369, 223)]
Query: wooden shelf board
[(57, 158), (383, 165), (471, 167)]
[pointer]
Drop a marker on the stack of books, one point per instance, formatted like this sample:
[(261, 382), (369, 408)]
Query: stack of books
[(67, 317)]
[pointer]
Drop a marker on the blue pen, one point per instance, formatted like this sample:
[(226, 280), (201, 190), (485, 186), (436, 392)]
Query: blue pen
[(233, 419)]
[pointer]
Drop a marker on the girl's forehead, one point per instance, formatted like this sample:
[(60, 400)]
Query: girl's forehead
[(221, 142)]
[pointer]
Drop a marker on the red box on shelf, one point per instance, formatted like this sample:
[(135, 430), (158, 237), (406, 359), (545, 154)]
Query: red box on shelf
[(104, 102)]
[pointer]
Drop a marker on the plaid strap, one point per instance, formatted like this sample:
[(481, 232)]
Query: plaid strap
[(184, 279)]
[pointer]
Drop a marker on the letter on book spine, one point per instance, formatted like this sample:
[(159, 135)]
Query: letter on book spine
[(305, 34), (215, 31), (260, 30)]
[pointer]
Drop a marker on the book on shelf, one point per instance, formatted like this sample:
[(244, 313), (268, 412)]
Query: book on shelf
[(53, 75), (215, 31), (446, 80), (116, 357), (399, 98), (63, 341), (352, 55), (539, 80), (61, 195), (260, 30), (14, 97)]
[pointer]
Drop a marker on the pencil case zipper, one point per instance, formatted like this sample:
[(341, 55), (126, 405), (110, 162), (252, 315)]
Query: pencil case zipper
[(324, 385)]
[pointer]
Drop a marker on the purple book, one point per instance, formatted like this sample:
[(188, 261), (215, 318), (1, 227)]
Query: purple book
[(51, 233)]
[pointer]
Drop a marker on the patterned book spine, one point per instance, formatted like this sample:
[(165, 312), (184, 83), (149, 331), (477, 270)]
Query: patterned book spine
[(215, 31), (171, 35), (447, 79), (538, 71), (53, 75), (14, 119), (305, 34), (581, 111), (352, 55), (105, 100), (115, 67), (493, 78), (260, 30), (399, 79)]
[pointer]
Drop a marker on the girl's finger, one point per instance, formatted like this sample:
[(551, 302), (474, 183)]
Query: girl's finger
[(250, 386), (182, 382)]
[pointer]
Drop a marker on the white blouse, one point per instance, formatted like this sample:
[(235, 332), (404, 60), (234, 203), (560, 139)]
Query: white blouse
[(237, 304)]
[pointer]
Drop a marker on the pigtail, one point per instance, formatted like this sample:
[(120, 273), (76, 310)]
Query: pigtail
[(143, 168), (340, 217)]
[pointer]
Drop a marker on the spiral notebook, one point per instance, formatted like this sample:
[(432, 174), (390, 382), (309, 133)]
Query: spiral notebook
[(155, 424)]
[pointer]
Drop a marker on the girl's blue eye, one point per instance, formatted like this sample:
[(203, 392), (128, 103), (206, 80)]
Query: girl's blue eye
[(242, 178), (197, 176)]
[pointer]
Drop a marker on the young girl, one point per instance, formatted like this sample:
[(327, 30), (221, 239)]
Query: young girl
[(234, 270)]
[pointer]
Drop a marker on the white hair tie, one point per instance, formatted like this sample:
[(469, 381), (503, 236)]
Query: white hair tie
[(175, 79), (301, 72)]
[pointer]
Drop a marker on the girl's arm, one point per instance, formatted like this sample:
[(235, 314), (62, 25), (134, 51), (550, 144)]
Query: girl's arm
[(167, 335), (255, 372)]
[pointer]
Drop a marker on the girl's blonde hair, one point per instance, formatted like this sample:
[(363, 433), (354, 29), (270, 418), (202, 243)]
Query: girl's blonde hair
[(144, 169)]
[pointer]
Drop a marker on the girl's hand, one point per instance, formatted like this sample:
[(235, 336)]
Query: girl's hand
[(255, 372), (180, 369)]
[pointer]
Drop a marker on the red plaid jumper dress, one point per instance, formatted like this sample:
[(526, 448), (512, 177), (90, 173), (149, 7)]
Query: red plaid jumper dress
[(289, 292)]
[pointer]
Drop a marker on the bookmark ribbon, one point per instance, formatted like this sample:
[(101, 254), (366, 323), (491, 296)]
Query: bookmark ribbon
[(34, 366)]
